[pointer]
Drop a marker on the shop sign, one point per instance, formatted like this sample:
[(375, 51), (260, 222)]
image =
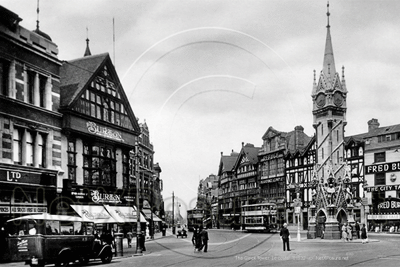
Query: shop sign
[(93, 128), (271, 156), (384, 167), (4, 209), (383, 216), (383, 188), (28, 210), (98, 197), (16, 176), (389, 204), (270, 180)]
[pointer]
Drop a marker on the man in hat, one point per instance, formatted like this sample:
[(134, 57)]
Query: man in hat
[(285, 236)]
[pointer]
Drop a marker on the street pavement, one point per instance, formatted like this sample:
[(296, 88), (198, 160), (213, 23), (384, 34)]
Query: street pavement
[(237, 248)]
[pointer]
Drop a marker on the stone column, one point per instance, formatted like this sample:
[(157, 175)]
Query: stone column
[(47, 95), (36, 91), (11, 81)]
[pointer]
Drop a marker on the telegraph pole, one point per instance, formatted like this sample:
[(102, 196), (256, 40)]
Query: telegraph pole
[(173, 211)]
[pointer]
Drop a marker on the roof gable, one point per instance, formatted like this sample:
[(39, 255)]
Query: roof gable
[(90, 86)]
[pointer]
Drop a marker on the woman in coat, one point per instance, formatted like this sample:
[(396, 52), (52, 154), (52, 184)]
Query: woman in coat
[(364, 235)]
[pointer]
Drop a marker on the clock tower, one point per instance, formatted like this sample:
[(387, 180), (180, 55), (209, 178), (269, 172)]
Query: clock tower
[(329, 112)]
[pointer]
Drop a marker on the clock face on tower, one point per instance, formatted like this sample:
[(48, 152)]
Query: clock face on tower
[(320, 100), (338, 99)]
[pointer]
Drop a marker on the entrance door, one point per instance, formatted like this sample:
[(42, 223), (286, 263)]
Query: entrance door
[(341, 218), (321, 219)]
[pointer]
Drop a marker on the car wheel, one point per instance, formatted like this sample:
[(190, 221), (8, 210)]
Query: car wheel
[(107, 258), (84, 260)]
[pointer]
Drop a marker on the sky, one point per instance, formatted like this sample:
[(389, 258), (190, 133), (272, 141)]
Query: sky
[(208, 75)]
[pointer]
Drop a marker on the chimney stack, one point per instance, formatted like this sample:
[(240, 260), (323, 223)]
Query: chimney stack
[(298, 137), (373, 124)]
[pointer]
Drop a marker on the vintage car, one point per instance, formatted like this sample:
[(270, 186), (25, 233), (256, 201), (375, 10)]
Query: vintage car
[(181, 232), (42, 239)]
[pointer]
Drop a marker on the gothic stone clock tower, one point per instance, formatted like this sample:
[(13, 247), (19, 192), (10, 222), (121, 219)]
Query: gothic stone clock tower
[(330, 179)]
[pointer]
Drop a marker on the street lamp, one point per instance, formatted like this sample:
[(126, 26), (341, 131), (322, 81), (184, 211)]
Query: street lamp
[(151, 206)]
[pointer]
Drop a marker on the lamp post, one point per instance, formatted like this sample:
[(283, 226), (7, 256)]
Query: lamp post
[(151, 208), (138, 227)]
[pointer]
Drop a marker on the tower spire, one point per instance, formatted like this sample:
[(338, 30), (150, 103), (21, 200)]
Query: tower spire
[(87, 51), (329, 68)]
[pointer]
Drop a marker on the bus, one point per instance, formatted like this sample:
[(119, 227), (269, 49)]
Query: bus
[(259, 217), (41, 239), (195, 219)]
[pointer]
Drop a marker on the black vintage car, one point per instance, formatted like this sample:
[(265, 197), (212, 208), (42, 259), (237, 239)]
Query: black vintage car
[(42, 239)]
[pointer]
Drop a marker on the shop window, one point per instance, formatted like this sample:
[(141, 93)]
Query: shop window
[(99, 165), (380, 157)]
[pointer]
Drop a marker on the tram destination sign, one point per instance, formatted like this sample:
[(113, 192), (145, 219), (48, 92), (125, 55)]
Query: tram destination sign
[(383, 167)]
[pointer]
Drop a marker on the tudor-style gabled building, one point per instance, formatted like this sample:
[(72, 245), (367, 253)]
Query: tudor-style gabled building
[(228, 207), (99, 131), (272, 170), (245, 181), (299, 165)]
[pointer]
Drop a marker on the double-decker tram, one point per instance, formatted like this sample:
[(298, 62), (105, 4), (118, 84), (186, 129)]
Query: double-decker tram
[(259, 217), (195, 219)]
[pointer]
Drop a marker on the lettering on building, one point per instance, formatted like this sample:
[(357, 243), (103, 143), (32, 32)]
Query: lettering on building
[(98, 197), (103, 131), (384, 167)]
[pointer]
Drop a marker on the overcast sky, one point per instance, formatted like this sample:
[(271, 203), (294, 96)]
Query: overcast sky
[(209, 75)]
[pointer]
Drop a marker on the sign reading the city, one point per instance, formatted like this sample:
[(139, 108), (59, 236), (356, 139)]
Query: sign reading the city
[(384, 167), (383, 188), (93, 128)]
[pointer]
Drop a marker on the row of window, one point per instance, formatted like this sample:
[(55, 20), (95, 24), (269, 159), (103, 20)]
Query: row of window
[(37, 87), (29, 147)]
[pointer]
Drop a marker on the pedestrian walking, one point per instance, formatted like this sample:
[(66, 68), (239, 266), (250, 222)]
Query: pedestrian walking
[(344, 232), (204, 239), (357, 226), (129, 236), (349, 232), (194, 236), (142, 241), (285, 236), (364, 235), (198, 241)]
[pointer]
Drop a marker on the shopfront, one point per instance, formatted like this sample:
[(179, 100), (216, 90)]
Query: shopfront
[(25, 191), (385, 216)]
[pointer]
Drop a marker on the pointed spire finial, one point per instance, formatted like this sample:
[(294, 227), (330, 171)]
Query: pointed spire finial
[(87, 51), (37, 12), (328, 14)]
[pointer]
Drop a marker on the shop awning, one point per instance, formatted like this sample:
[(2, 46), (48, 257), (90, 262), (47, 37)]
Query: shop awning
[(124, 213), (95, 213), (147, 214), (51, 217)]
